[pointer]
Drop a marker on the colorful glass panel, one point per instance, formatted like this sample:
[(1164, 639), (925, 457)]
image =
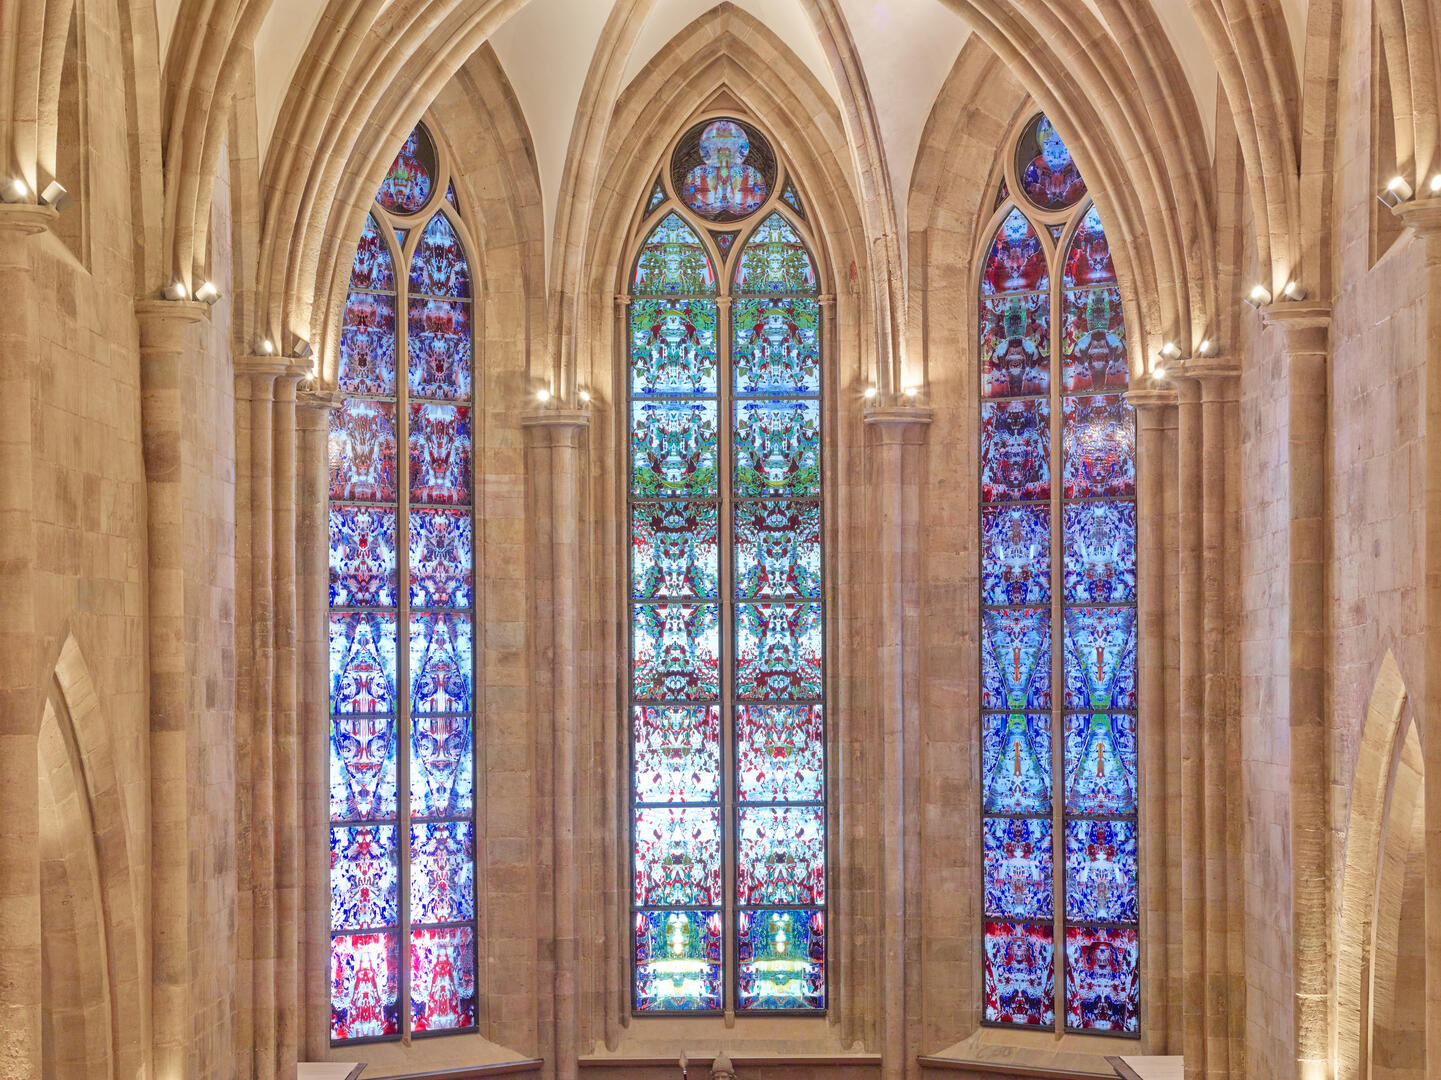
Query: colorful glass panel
[(1101, 763), (1098, 440), (441, 857), (1100, 564), (674, 262), (1016, 659), (775, 261), (1101, 658), (408, 184), (781, 960), (678, 966), (362, 556), (1088, 261), (362, 767), (440, 349), (779, 655), (442, 553), (673, 448), (364, 986), (675, 652), (1103, 986), (372, 268), (1016, 554), (442, 663), (442, 766), (442, 979), (657, 196), (677, 857), (723, 170), (1016, 761), (675, 551), (1101, 871), (439, 266), (362, 662), (1016, 345), (1094, 342), (362, 451), (1016, 262), (367, 345), (440, 453), (777, 549), (791, 197), (781, 855), (672, 346), (450, 197), (723, 243), (364, 877), (675, 753), (1015, 450), (778, 447), (1020, 978), (780, 753), (1048, 174), (777, 345), (1017, 858)]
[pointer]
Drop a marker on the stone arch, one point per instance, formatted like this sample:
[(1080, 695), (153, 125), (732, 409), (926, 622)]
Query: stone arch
[(1408, 43)]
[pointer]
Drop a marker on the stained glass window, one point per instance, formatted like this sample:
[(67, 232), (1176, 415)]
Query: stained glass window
[(1058, 618), (727, 638), (402, 649)]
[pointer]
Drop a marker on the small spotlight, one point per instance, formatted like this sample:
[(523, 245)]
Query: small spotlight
[(1171, 351), (869, 393), (542, 396), (15, 191), (303, 350), (912, 391), (1159, 371), (1259, 297), (175, 291), (267, 347), (1436, 184), (585, 396), (207, 293), (55, 195), (1208, 347), (1397, 192), (1294, 291)]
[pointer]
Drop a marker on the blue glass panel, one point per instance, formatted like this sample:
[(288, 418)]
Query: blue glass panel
[(781, 960), (1016, 554), (364, 877), (779, 652), (675, 753), (362, 767), (408, 184), (1093, 341), (1017, 867), (442, 766), (1101, 871), (780, 753), (362, 451), (1016, 659), (673, 448), (677, 857), (367, 345), (1020, 981), (364, 986), (1088, 261), (1098, 443), (675, 551), (728, 181), (781, 855), (440, 454), (439, 267), (678, 961), (442, 979), (1016, 345), (1015, 450), (1100, 763), (372, 268), (775, 261), (1101, 658), (450, 196), (657, 196), (1016, 262), (1047, 172), (792, 198), (1016, 748), (442, 871), (1100, 553), (777, 346), (778, 549), (778, 448), (362, 662), (362, 556), (441, 556), (1103, 986), (672, 347), (442, 663), (676, 652), (441, 355), (674, 262)]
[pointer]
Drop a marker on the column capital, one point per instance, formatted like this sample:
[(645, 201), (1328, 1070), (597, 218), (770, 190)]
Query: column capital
[(1147, 398), (1207, 369), (277, 367), (318, 400), (178, 311), (826, 299), (1298, 314), (623, 301), (897, 423), (26, 219), (1422, 214), (555, 427)]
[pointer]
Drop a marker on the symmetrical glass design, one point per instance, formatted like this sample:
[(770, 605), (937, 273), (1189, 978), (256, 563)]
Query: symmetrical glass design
[(728, 773), (402, 650), (1060, 864)]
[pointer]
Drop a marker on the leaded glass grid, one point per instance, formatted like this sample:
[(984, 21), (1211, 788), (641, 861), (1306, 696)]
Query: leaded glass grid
[(727, 620), (402, 598), (1060, 862)]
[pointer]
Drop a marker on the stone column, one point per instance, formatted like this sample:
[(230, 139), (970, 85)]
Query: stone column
[(20, 676), (898, 433), (555, 444)]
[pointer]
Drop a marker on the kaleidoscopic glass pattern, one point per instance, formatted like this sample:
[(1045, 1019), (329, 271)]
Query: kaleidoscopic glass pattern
[(442, 663), (1015, 450), (777, 347), (1016, 763), (362, 556), (723, 185), (1016, 554), (1101, 658), (675, 753), (657, 196), (450, 197), (1098, 441), (1020, 981), (440, 454), (1017, 853), (675, 652), (440, 349), (675, 551), (673, 262), (372, 268), (1048, 173), (781, 960), (673, 448), (442, 766), (1100, 563), (364, 877), (442, 553), (775, 261), (779, 653), (777, 448), (1101, 871), (362, 767), (672, 346), (1100, 763), (439, 266), (792, 198), (1016, 262), (442, 979), (367, 345), (678, 961), (780, 753), (1016, 345), (362, 451), (1103, 991), (1088, 261), (777, 549), (677, 857), (364, 986), (442, 888), (1016, 659), (1093, 342), (362, 662), (780, 855), (408, 184)]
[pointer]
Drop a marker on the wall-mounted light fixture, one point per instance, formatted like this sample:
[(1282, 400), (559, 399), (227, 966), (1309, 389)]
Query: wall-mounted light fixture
[(55, 195), (1207, 347), (303, 351), (912, 391), (1259, 297), (1396, 192), (585, 396), (1171, 351), (14, 191), (1159, 372), (267, 347), (869, 393), (207, 293), (175, 291), (542, 396), (1294, 291)]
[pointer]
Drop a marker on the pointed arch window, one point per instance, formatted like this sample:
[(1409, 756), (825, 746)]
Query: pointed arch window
[(402, 581), (726, 590), (1058, 568)]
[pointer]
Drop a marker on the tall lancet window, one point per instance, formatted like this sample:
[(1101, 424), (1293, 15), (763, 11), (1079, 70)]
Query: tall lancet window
[(402, 587), (726, 588), (1058, 566)]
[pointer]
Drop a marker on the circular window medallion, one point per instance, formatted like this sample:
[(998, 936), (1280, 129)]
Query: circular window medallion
[(408, 184), (723, 169), (1044, 166)]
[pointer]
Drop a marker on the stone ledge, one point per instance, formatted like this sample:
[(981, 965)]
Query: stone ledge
[(27, 219), (989, 1068)]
